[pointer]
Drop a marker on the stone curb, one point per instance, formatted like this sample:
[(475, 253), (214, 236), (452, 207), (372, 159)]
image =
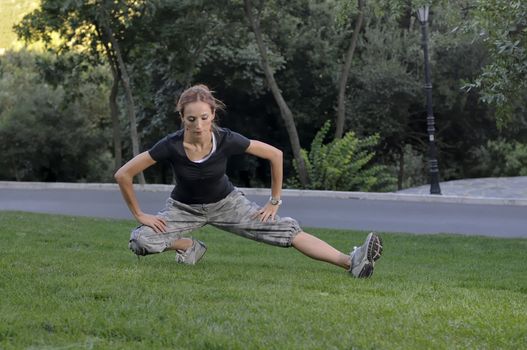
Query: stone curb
[(285, 193)]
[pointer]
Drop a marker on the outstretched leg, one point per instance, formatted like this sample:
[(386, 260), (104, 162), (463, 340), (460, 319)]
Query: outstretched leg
[(317, 249), (360, 263), (238, 215)]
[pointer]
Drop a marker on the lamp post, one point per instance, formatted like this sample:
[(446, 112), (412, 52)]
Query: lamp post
[(433, 168)]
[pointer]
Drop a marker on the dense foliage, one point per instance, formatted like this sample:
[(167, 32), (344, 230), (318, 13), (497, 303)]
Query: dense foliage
[(53, 124), (503, 82), (59, 99), (344, 164)]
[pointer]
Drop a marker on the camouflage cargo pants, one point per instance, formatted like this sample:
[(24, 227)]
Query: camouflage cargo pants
[(235, 214)]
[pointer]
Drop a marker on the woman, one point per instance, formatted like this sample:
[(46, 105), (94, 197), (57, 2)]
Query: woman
[(204, 195)]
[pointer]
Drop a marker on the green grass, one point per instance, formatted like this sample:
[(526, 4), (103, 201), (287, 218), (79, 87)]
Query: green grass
[(71, 283)]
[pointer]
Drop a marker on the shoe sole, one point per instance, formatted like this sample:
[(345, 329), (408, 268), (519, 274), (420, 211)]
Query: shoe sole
[(374, 253), (375, 248), (202, 252)]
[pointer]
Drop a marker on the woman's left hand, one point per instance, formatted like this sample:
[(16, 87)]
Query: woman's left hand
[(268, 212)]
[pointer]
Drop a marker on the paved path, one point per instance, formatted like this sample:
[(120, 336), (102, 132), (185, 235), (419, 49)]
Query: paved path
[(501, 187), (385, 212)]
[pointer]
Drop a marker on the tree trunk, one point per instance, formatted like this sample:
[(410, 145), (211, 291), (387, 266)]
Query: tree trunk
[(130, 107), (344, 74), (112, 99), (285, 112), (116, 128), (400, 175)]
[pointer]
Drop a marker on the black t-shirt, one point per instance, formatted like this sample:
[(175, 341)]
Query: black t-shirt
[(200, 183)]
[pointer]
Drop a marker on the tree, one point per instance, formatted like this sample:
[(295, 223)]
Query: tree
[(386, 89), (345, 70), (285, 112), (52, 119), (89, 27), (175, 40), (119, 70), (167, 45), (503, 82)]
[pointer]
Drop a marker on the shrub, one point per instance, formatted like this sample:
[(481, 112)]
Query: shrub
[(500, 158), (51, 132), (345, 164)]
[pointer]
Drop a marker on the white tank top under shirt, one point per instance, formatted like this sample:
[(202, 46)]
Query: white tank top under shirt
[(211, 151)]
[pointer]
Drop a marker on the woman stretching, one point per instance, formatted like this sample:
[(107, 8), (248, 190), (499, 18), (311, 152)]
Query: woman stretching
[(204, 195)]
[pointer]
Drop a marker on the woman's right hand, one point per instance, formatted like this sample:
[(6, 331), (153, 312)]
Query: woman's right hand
[(158, 224)]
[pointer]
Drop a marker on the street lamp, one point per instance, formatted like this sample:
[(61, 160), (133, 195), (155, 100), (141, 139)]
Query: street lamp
[(433, 168)]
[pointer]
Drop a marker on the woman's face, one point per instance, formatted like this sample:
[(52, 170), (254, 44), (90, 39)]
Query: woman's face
[(197, 118)]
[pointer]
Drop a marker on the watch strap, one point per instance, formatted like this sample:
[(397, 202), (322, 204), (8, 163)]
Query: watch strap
[(275, 201)]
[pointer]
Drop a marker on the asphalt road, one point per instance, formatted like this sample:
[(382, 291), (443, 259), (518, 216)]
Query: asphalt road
[(356, 214)]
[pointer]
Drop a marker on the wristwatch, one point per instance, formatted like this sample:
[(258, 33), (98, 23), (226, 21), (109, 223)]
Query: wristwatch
[(275, 201)]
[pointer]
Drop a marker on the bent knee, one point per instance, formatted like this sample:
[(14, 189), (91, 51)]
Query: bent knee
[(141, 246), (137, 247), (144, 241)]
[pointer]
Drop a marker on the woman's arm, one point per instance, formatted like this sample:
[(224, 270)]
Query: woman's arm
[(274, 156), (124, 177)]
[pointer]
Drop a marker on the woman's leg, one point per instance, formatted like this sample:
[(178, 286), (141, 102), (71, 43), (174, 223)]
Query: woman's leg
[(236, 214), (317, 249), (144, 240), (181, 220), (360, 263), (180, 244)]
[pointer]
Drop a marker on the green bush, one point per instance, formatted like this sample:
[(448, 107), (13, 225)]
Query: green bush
[(414, 170), (345, 164), (501, 158), (52, 130)]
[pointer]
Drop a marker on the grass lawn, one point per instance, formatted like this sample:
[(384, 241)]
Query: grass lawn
[(71, 283)]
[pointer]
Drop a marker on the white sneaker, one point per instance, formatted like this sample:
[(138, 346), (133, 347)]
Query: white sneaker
[(363, 258), (192, 255)]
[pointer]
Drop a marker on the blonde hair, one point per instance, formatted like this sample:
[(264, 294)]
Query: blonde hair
[(197, 93)]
